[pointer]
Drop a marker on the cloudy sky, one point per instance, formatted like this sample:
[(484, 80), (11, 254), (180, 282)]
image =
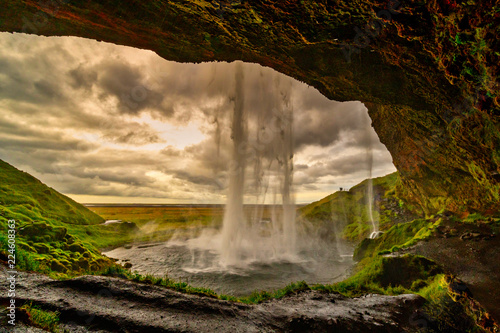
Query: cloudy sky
[(107, 123)]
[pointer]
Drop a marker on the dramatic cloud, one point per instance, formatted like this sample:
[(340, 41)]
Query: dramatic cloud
[(105, 123)]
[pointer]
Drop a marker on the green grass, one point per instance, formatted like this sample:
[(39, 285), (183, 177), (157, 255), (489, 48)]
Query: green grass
[(397, 237), (26, 196), (166, 282), (54, 234), (46, 320), (387, 276), (350, 210)]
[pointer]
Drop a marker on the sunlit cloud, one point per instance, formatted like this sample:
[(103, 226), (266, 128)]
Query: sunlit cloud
[(108, 123)]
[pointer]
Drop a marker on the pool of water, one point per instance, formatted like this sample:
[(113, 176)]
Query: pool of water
[(200, 267)]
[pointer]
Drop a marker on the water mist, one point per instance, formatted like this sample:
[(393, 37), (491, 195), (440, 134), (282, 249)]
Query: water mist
[(260, 169)]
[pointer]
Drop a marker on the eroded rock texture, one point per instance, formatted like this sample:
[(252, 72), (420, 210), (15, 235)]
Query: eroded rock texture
[(427, 70)]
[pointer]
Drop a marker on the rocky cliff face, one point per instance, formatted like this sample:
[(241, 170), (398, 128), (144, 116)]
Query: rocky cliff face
[(428, 71)]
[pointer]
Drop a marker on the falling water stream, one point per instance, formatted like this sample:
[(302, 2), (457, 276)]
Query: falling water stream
[(252, 250), (257, 239)]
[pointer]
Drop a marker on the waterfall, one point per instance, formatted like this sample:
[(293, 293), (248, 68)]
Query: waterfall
[(369, 196), (246, 236), (369, 192), (234, 219)]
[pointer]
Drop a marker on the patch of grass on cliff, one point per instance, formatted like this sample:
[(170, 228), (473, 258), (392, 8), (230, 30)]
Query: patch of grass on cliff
[(398, 237), (121, 272), (46, 320), (262, 296), (166, 282), (443, 313), (387, 276)]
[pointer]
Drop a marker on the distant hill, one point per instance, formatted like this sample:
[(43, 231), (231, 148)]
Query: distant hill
[(30, 200), (347, 213)]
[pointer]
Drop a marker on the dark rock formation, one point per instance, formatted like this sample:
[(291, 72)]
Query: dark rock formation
[(475, 260), (115, 305), (428, 71)]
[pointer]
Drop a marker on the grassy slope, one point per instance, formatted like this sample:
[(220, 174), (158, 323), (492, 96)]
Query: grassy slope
[(54, 233), (30, 199), (348, 210), (380, 268)]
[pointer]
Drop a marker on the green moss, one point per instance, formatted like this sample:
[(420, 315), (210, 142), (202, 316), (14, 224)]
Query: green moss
[(473, 218), (387, 275), (350, 210), (47, 224), (444, 313), (397, 237), (57, 266), (46, 320)]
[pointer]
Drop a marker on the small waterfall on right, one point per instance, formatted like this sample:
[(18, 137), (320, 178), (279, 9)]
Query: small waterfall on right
[(369, 191), (370, 204)]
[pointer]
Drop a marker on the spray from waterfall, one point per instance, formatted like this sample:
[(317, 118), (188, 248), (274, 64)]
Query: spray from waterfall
[(261, 162), (234, 219)]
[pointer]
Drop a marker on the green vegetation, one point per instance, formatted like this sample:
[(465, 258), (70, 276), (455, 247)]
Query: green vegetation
[(387, 275), (54, 234), (254, 298), (50, 243), (24, 197), (37, 317), (348, 210), (397, 237), (156, 223)]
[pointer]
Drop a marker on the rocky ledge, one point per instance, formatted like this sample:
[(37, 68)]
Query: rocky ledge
[(108, 304)]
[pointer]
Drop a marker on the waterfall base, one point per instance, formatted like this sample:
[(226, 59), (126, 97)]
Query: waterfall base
[(198, 264)]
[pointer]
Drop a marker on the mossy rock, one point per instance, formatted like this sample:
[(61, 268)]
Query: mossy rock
[(77, 247), (36, 239), (57, 266), (59, 233), (94, 265), (35, 229), (75, 266), (405, 270), (25, 246), (46, 238), (83, 264), (64, 262), (69, 239), (41, 248)]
